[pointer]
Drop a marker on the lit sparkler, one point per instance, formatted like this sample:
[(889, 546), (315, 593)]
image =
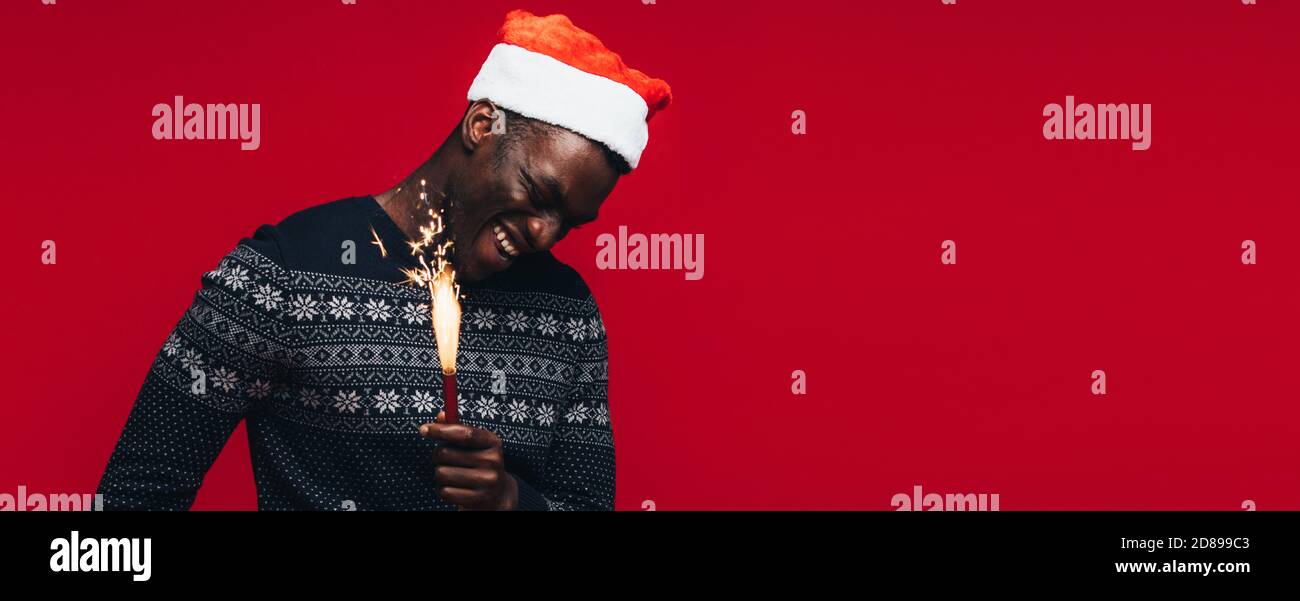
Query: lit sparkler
[(434, 251)]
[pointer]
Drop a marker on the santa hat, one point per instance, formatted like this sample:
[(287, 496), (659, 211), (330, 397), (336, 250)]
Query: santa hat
[(548, 69)]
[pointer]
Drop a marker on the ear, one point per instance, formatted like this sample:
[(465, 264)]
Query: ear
[(477, 124)]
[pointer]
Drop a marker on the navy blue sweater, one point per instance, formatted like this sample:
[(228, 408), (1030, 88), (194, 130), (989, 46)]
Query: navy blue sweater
[(333, 366)]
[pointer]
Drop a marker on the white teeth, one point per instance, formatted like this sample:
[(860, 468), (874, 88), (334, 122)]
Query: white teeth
[(504, 242)]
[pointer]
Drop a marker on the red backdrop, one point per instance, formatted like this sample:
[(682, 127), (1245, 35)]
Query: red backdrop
[(822, 251)]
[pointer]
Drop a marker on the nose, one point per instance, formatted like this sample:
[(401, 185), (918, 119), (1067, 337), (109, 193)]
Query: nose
[(543, 231)]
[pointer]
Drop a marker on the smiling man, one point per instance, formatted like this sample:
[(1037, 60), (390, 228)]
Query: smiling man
[(332, 363)]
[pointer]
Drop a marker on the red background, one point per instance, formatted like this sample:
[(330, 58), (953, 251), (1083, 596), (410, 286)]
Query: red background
[(822, 251)]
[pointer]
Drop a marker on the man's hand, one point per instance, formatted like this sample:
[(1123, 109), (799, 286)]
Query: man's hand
[(470, 467)]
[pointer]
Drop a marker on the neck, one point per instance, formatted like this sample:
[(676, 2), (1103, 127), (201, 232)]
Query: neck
[(402, 202)]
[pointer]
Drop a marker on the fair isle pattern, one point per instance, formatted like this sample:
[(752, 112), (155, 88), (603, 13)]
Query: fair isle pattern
[(340, 323), (307, 356)]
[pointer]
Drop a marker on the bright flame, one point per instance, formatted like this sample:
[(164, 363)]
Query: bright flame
[(437, 274), (446, 316)]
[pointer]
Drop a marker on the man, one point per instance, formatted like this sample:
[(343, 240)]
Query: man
[(333, 363)]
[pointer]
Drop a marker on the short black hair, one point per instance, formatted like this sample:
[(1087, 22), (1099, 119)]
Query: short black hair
[(519, 127)]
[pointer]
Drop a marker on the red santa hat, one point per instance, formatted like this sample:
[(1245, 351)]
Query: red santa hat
[(548, 69)]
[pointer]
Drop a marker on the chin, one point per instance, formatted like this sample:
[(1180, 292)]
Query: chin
[(471, 274), (485, 255)]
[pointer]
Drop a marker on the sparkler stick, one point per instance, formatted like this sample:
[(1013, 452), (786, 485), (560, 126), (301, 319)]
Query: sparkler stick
[(434, 251)]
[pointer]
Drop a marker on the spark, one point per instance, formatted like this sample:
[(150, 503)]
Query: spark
[(433, 250), (383, 252)]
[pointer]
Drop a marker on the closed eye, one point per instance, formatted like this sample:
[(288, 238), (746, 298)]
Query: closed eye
[(534, 195), (533, 198)]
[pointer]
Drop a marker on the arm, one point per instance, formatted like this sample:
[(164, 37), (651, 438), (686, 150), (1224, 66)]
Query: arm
[(580, 469), (222, 357)]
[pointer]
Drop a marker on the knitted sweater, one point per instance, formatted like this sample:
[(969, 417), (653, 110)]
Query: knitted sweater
[(333, 366)]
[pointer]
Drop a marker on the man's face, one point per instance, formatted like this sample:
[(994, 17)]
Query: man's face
[(525, 200)]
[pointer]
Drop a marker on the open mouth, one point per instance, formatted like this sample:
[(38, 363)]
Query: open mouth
[(508, 248)]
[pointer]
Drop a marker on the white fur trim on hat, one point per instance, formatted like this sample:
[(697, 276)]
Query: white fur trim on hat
[(541, 87)]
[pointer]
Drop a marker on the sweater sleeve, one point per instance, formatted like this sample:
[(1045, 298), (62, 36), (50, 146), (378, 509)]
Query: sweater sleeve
[(580, 465), (223, 357)]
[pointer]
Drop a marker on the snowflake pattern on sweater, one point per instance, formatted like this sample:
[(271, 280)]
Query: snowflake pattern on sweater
[(333, 368)]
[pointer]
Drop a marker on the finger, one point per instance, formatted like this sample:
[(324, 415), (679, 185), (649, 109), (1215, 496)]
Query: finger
[(464, 497), (467, 478), (458, 457), (456, 434), (441, 418), (460, 435)]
